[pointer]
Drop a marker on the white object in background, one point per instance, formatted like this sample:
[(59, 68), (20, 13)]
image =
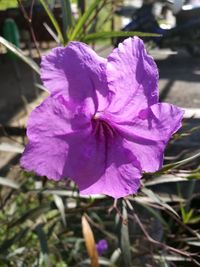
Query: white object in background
[(177, 6)]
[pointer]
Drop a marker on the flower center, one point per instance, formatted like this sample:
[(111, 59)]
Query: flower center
[(102, 128)]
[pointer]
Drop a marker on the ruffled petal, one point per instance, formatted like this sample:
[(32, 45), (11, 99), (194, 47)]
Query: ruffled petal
[(77, 72), (48, 131), (132, 78), (63, 144), (121, 175), (148, 134)]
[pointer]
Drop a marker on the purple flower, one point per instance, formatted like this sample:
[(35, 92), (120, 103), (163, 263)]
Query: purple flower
[(101, 246), (102, 124)]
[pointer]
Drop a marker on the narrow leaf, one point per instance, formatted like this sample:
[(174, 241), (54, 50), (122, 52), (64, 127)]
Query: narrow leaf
[(52, 33), (60, 205), (18, 52), (165, 179), (8, 182), (53, 20), (43, 244), (66, 16), (155, 198), (171, 258), (124, 238), (11, 148), (179, 163), (105, 35), (194, 243), (90, 242), (31, 214), (82, 20), (155, 213)]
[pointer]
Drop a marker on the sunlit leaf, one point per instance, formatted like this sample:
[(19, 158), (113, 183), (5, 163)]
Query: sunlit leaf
[(156, 199), (115, 255), (82, 20), (171, 258), (8, 147), (52, 33), (53, 20), (105, 35), (60, 205), (124, 237), (194, 243), (168, 178), (9, 182), (18, 52), (179, 163)]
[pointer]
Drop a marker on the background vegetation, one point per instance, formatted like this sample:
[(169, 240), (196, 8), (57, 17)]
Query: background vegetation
[(43, 223)]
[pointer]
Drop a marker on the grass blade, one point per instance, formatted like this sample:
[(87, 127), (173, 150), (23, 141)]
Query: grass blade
[(178, 164), (8, 182), (53, 20), (52, 33), (18, 52), (66, 16), (124, 237), (105, 35), (59, 204), (82, 20), (166, 178), (155, 198), (6, 147), (43, 244)]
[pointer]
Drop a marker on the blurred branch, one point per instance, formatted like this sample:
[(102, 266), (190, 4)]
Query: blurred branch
[(29, 20), (163, 245)]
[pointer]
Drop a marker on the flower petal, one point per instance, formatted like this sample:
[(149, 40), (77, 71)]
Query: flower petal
[(121, 175), (63, 144), (77, 72), (48, 129), (132, 78), (148, 135)]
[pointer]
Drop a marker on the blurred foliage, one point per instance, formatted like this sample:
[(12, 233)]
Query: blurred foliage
[(42, 223), (4, 4), (46, 223)]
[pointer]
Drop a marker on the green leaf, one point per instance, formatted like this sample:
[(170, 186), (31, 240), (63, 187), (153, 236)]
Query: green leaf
[(155, 198), (43, 244), (155, 213), (16, 237), (124, 237), (18, 52), (66, 16), (51, 32), (166, 178), (53, 20), (32, 214), (104, 35), (179, 163), (82, 20)]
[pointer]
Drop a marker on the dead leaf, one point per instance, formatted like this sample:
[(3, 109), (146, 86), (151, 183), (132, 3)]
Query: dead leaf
[(90, 242)]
